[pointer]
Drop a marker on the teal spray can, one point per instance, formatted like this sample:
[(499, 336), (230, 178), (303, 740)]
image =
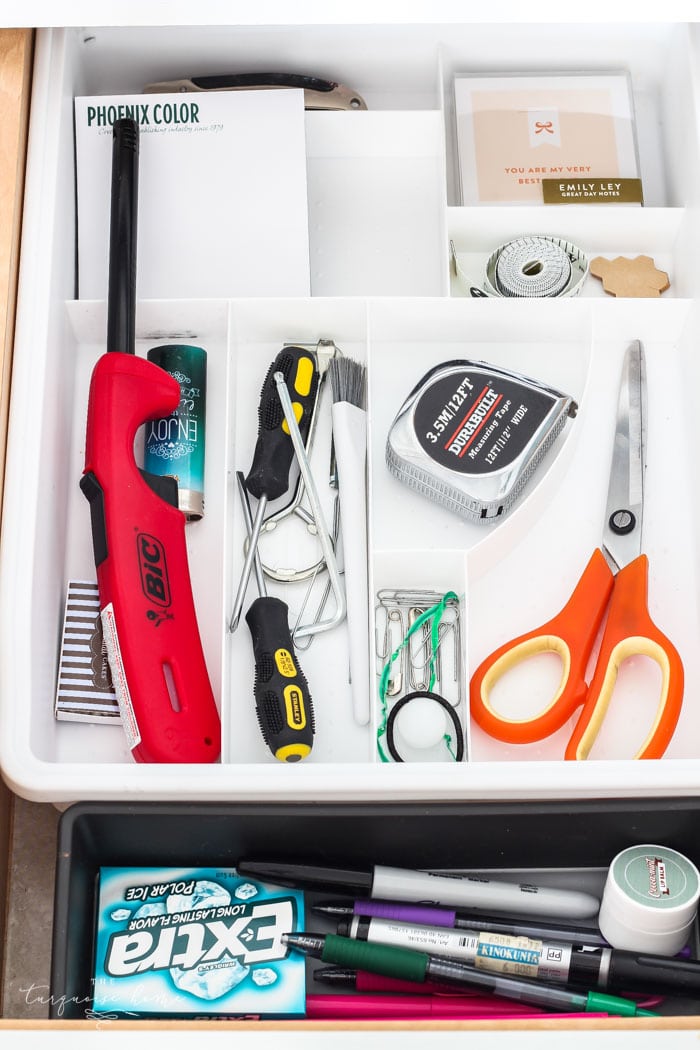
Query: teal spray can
[(174, 445)]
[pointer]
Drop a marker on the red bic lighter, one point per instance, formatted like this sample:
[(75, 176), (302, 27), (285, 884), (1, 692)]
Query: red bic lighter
[(147, 609)]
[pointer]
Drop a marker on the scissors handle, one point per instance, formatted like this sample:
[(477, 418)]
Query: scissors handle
[(630, 631), (570, 635)]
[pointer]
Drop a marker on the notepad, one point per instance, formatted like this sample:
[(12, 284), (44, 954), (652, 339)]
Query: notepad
[(222, 208)]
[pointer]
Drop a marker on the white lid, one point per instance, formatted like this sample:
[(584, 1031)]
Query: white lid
[(650, 900)]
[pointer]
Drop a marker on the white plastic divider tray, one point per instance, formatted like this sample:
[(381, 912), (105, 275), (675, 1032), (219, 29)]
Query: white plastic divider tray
[(379, 257), (510, 576)]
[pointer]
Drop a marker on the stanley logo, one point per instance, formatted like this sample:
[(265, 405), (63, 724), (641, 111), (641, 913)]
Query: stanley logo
[(294, 703), (154, 570)]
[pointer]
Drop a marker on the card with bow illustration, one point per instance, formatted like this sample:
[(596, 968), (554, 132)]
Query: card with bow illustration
[(514, 131)]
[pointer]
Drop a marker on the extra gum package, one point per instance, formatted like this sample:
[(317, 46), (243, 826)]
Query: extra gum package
[(196, 942)]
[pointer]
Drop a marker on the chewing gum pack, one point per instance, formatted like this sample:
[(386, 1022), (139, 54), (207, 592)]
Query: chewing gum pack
[(196, 942)]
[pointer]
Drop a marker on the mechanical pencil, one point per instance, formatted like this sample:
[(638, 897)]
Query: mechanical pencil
[(419, 966), (404, 884), (361, 981), (429, 915), (562, 963)]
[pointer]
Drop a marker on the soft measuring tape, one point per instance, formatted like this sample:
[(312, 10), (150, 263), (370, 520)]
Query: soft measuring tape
[(531, 267)]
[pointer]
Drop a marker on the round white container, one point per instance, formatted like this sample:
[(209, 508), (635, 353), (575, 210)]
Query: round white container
[(650, 900)]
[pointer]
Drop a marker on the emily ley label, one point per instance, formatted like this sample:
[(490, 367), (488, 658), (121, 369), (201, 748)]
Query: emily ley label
[(592, 191)]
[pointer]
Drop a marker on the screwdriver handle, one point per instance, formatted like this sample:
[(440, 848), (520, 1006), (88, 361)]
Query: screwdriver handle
[(274, 452), (282, 698)]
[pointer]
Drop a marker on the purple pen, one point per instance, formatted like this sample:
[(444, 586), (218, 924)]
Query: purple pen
[(421, 914), (429, 915)]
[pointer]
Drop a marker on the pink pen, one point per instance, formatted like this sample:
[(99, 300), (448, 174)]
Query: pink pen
[(392, 1007)]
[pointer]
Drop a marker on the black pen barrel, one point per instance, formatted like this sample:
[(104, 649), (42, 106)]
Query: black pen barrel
[(449, 971), (670, 976)]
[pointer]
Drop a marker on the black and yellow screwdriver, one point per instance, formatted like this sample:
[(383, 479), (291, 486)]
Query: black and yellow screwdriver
[(282, 698), (274, 452)]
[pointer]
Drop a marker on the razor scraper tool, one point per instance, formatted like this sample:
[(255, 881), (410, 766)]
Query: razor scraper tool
[(470, 435)]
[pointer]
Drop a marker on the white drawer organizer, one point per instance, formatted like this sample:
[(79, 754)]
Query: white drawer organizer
[(382, 211)]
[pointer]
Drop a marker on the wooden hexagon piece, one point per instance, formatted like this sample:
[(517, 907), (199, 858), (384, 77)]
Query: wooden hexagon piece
[(637, 278)]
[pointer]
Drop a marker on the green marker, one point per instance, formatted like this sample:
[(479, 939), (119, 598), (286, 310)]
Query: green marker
[(404, 963)]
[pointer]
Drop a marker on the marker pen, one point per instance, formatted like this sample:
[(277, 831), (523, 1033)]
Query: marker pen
[(419, 966), (471, 891), (528, 957), (429, 915)]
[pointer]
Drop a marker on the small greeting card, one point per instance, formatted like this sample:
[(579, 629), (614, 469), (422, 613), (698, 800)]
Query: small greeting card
[(514, 132)]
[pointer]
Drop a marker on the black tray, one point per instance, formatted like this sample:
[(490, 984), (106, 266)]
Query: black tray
[(449, 835)]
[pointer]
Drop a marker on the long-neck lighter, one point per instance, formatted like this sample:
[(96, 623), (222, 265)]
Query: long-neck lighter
[(148, 615)]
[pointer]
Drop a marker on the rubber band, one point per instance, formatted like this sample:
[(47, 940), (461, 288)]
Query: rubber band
[(425, 694)]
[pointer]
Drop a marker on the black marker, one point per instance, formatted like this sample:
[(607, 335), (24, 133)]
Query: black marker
[(470, 891)]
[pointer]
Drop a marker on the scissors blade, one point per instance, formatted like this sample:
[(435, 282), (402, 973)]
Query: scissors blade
[(622, 533)]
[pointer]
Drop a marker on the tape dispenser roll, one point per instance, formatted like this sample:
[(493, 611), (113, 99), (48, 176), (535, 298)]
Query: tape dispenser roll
[(536, 266)]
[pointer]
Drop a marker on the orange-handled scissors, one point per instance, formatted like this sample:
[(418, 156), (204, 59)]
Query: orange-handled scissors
[(615, 578)]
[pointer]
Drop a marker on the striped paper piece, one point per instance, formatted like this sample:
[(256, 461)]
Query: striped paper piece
[(84, 692)]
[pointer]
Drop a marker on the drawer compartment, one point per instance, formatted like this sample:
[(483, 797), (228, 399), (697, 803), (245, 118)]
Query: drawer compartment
[(553, 844), (382, 213)]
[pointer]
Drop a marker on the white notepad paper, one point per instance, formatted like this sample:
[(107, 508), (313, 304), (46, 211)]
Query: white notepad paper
[(222, 203)]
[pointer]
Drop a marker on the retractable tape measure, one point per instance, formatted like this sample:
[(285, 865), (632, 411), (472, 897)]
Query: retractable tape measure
[(532, 267), (470, 435)]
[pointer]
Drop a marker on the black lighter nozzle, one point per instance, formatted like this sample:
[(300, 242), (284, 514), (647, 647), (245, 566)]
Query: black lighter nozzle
[(121, 293)]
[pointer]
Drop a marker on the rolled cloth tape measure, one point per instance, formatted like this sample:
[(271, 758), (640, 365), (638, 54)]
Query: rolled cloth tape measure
[(536, 266)]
